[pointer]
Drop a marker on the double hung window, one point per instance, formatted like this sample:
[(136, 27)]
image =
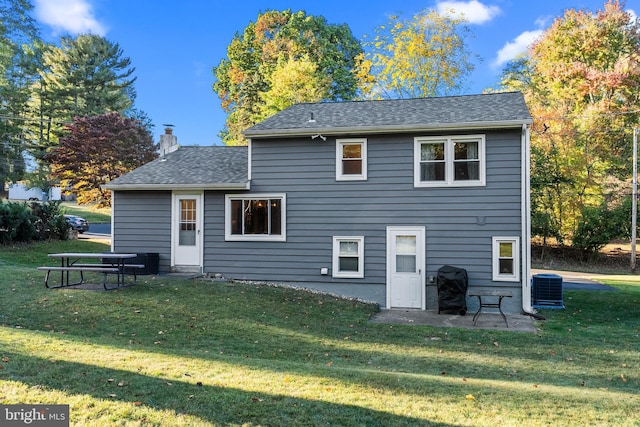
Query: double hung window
[(449, 161), (348, 257), (351, 159), (506, 259)]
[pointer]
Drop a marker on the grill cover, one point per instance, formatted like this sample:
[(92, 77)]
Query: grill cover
[(452, 289)]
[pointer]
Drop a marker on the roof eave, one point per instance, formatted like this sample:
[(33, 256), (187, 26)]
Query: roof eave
[(183, 187), (387, 129)]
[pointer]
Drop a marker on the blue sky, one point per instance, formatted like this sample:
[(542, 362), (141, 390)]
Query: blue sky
[(173, 45)]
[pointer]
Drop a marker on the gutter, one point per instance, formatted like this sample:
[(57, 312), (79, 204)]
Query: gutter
[(273, 133), (193, 187), (526, 221)]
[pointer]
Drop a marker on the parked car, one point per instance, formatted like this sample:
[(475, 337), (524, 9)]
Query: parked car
[(77, 223)]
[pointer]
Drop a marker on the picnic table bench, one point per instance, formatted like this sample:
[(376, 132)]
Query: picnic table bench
[(492, 303), (112, 263)]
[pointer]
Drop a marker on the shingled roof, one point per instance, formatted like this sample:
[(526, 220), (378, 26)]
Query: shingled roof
[(506, 109), (226, 168), (219, 168)]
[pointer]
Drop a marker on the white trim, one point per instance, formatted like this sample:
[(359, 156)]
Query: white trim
[(249, 157), (495, 257), (449, 141), (335, 270), (362, 176), (255, 237), (180, 187), (525, 207), (113, 221), (362, 130)]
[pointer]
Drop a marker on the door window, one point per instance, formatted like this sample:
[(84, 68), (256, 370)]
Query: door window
[(406, 254), (187, 234)]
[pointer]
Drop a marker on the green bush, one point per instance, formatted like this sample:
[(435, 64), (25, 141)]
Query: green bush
[(16, 223), (20, 222), (50, 223), (596, 228)]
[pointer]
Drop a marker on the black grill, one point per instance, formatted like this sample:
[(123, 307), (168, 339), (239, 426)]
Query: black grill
[(452, 289)]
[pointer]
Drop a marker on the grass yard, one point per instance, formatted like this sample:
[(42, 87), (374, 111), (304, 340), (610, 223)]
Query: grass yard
[(89, 212), (176, 352)]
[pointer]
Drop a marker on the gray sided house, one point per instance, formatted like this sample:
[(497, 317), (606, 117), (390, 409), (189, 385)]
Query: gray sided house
[(366, 199)]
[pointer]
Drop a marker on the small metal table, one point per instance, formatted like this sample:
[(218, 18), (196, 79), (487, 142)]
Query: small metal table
[(492, 294)]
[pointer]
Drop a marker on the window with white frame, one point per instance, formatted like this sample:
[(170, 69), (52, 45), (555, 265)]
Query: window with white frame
[(348, 256), (256, 217), (351, 159), (506, 259), (449, 161)]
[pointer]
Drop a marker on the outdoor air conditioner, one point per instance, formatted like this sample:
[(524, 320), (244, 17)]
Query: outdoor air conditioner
[(546, 291)]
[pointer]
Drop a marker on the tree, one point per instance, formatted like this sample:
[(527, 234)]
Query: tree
[(85, 76), (19, 39), (272, 49), (98, 149), (581, 81), (417, 58), (292, 82)]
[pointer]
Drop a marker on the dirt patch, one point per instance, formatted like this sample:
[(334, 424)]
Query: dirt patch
[(614, 258)]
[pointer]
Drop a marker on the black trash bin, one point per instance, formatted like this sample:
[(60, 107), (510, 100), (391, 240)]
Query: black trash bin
[(150, 260), (452, 289)]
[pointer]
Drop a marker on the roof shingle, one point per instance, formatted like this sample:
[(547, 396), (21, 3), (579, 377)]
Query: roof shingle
[(398, 114), (196, 167)]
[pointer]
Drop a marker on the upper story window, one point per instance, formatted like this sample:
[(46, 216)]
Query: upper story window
[(351, 159), (449, 161), (259, 217), (348, 256), (506, 259)]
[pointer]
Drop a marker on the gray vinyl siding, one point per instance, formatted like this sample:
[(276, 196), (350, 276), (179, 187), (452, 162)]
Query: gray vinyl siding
[(142, 224), (459, 221)]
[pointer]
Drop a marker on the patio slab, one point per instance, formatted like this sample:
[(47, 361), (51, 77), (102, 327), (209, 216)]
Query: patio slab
[(491, 321)]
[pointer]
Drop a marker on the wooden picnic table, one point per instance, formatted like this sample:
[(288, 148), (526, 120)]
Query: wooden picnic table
[(111, 263)]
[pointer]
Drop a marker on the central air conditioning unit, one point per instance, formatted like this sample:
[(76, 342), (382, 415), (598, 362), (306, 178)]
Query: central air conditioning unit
[(546, 291)]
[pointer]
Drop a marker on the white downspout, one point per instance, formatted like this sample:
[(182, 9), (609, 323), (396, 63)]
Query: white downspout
[(526, 220)]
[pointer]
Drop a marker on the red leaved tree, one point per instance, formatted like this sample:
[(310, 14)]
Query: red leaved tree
[(96, 150)]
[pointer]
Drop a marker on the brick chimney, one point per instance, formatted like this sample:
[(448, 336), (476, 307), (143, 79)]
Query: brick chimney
[(168, 141)]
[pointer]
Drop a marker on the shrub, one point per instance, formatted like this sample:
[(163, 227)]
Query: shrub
[(50, 221), (17, 224), (22, 223), (596, 228)]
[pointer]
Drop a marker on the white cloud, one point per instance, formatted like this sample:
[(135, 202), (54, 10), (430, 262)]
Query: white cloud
[(519, 45), (473, 11), (73, 16), (543, 21)]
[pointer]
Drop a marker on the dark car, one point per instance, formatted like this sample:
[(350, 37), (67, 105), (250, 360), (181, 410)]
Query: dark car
[(77, 223)]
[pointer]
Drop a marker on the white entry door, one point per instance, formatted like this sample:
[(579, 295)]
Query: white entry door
[(405, 267), (187, 230)]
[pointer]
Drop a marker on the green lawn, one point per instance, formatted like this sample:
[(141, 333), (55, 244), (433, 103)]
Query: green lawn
[(176, 352), (89, 212)]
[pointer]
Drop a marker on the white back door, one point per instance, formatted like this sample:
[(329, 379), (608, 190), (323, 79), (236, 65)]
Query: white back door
[(405, 267), (187, 230)]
